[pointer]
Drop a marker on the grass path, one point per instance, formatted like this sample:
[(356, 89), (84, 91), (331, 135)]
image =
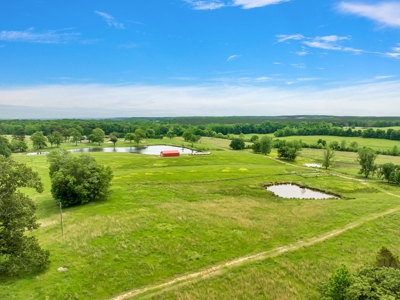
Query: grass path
[(218, 269)]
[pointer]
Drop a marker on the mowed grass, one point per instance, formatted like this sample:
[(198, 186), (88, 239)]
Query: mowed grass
[(171, 216)]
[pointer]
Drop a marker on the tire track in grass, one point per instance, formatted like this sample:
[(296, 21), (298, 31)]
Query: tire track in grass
[(217, 269)]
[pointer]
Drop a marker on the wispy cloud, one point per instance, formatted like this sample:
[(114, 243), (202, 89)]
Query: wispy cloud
[(385, 13), (128, 46), (245, 4), (299, 66), (232, 57), (329, 42), (384, 77), (47, 37), (110, 20), (205, 5), (287, 37), (395, 53)]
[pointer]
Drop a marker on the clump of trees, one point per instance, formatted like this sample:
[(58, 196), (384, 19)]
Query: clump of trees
[(263, 145), (289, 150), (77, 179), (379, 280), (18, 252)]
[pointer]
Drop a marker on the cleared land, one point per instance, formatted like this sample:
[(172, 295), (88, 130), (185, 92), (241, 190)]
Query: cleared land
[(171, 217)]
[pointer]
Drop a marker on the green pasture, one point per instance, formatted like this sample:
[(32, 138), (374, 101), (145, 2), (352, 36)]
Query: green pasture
[(167, 217)]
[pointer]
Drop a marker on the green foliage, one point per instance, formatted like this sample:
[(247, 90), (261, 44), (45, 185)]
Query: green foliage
[(366, 159), (170, 134), (237, 144), (386, 170), (98, 136), (254, 138), (77, 179), (5, 147), (289, 150), (55, 138), (374, 283), (113, 139), (38, 140), (386, 259), (19, 146), (139, 135), (335, 288), (129, 137), (187, 135), (17, 214), (265, 145), (76, 136), (327, 159), (19, 134)]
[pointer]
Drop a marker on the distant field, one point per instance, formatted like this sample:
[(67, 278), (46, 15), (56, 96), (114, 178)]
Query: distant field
[(167, 217)]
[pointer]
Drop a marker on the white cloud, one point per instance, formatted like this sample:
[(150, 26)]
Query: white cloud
[(277, 63), (329, 42), (47, 37), (91, 100), (232, 57), (299, 66), (246, 4), (384, 77), (205, 5), (286, 37), (385, 13), (110, 20), (394, 54)]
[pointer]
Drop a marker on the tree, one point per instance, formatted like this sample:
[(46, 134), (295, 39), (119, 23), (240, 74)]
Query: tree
[(38, 140), (187, 135), (265, 145), (19, 134), (254, 138), (130, 137), (327, 159), (335, 288), (5, 147), (170, 134), (55, 138), (76, 136), (385, 258), (289, 150), (17, 214), (237, 144), (139, 135), (113, 139), (19, 146), (77, 179), (386, 170), (98, 135), (366, 158)]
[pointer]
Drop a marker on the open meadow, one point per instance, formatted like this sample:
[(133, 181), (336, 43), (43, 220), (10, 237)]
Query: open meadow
[(168, 218)]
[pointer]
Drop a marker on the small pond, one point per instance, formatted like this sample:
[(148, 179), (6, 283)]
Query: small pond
[(294, 191), (150, 150)]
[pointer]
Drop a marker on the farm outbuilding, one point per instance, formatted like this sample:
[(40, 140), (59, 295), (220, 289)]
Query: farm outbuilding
[(168, 153)]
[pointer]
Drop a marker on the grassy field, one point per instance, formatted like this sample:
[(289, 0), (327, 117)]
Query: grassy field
[(167, 217)]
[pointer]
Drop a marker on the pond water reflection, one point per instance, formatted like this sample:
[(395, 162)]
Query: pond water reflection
[(150, 150), (294, 191)]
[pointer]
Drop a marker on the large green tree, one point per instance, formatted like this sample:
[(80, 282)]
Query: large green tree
[(38, 140), (98, 135), (77, 179), (17, 214), (366, 158)]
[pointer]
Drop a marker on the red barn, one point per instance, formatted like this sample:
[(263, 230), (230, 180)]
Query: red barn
[(168, 153)]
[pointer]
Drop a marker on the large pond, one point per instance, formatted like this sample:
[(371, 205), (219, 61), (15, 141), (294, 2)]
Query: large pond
[(150, 150), (294, 191)]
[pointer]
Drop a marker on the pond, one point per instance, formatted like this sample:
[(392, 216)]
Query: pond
[(312, 165), (294, 191), (150, 150)]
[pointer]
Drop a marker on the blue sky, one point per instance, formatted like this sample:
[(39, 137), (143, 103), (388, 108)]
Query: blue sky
[(188, 57)]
